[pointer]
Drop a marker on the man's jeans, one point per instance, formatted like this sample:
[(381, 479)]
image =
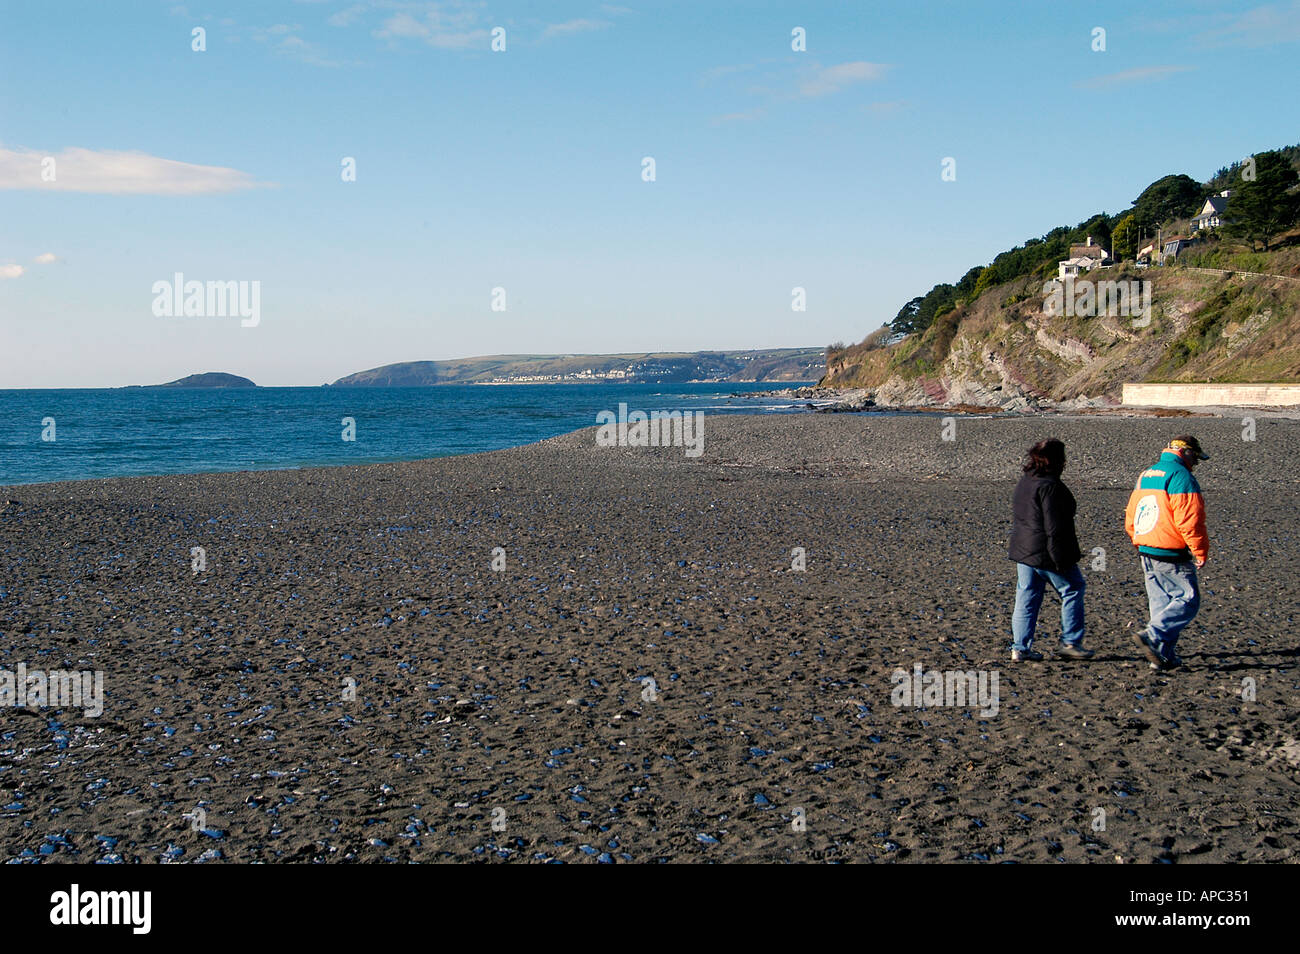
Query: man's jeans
[(1173, 597), (1030, 584)]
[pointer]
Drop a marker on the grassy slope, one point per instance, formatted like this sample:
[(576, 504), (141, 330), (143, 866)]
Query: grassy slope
[(1205, 327)]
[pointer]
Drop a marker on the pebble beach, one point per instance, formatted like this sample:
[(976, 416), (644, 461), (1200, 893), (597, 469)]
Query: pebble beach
[(577, 653)]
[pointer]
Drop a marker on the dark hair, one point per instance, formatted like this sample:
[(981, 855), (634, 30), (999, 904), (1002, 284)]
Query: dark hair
[(1046, 458)]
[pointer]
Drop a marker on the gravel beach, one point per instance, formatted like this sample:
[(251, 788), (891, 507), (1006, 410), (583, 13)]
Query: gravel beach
[(349, 678)]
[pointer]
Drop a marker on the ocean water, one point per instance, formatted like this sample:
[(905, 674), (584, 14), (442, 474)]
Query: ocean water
[(136, 431)]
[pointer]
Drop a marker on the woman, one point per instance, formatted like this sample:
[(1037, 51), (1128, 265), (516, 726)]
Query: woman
[(1046, 550)]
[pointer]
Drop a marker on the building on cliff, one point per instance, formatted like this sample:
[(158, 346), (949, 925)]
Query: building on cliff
[(1082, 258)]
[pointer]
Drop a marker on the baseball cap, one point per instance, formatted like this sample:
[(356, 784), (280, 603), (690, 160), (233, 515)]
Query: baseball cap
[(1189, 443)]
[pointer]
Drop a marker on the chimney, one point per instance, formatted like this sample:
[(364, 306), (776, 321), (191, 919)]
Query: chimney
[(1089, 242)]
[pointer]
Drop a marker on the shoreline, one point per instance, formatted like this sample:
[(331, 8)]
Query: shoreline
[(849, 400), (794, 410)]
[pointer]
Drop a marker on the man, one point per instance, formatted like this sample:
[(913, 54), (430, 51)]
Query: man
[(1165, 519)]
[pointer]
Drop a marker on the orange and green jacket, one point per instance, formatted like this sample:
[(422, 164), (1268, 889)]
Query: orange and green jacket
[(1165, 517)]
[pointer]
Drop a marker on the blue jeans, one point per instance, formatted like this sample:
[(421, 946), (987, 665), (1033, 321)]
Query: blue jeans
[(1173, 598), (1030, 584)]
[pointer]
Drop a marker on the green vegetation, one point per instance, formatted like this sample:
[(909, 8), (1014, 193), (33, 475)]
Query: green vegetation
[(1229, 177), (1264, 207), (918, 313), (1124, 240), (1228, 257), (1266, 204), (1202, 334), (1168, 200)]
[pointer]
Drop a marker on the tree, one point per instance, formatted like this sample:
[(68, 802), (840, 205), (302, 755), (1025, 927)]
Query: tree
[(877, 339), (1260, 208), (1173, 197), (1124, 240), (966, 287), (933, 304), (918, 313), (1099, 228), (904, 322)]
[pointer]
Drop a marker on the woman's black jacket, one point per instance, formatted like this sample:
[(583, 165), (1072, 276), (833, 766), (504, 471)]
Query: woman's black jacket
[(1043, 534)]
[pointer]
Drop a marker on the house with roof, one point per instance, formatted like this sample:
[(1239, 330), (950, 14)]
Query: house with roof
[(1174, 246), (1082, 258), (1211, 215)]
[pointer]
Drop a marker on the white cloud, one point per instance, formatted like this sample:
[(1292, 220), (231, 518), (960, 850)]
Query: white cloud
[(11, 271), (443, 25), (284, 39), (110, 172), (885, 108), (747, 115), (832, 79), (717, 72), (573, 26), (304, 51), (46, 258), (1262, 26), (1137, 75), (780, 82), (346, 16)]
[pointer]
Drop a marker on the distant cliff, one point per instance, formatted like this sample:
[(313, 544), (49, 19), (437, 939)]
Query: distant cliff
[(778, 364), (209, 379)]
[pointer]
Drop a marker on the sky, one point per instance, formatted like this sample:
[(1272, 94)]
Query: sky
[(502, 201)]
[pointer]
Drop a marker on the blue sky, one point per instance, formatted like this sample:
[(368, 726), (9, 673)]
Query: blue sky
[(522, 169)]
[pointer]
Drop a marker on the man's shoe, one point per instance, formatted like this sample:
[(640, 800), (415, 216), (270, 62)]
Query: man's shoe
[(1026, 655), (1152, 654), (1070, 651)]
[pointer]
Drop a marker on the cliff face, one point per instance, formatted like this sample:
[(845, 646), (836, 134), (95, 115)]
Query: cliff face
[(403, 374), (1014, 346)]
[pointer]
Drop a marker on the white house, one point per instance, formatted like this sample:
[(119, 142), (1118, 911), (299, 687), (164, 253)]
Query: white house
[(1082, 258), (1073, 266), (1211, 214)]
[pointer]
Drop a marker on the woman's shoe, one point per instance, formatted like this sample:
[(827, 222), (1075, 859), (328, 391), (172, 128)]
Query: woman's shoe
[(1025, 655)]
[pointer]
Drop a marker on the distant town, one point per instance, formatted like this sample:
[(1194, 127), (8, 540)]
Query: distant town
[(637, 371), (774, 364)]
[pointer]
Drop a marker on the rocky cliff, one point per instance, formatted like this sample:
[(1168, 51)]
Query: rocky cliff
[(1021, 344)]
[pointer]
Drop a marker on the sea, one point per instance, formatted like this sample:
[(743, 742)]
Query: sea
[(50, 435)]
